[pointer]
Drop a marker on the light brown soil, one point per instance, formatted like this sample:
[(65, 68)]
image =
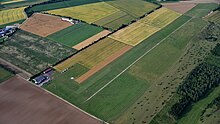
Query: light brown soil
[(44, 25), (179, 6), (23, 103), (102, 64), (91, 40)]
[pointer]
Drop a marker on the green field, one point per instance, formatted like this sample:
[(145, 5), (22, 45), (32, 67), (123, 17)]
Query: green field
[(32, 53), (135, 8), (22, 3), (214, 17), (19, 21), (88, 12), (201, 10), (75, 34), (93, 55), (12, 15), (4, 74), (127, 91)]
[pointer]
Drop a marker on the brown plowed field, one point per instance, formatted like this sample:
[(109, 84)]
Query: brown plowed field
[(91, 40), (23, 103), (179, 6), (102, 64), (44, 25)]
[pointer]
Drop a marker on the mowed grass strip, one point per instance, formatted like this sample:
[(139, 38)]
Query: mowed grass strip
[(89, 12), (92, 55), (144, 28), (12, 15), (161, 17), (75, 34), (134, 33), (135, 8)]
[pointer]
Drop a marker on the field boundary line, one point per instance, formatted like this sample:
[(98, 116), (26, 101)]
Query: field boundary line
[(135, 61), (65, 101)]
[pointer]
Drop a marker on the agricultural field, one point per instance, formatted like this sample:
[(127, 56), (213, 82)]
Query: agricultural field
[(4, 74), (33, 53), (114, 99), (10, 1), (44, 25), (12, 15), (135, 8), (144, 28), (33, 103), (93, 55), (89, 12), (214, 17), (75, 34), (179, 7), (20, 3)]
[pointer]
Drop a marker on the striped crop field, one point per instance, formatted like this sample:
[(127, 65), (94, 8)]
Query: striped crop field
[(161, 17), (12, 15), (144, 28), (93, 55), (89, 12)]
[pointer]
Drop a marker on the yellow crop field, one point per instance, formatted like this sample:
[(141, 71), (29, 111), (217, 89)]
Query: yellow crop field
[(144, 28), (89, 12), (93, 55), (161, 17), (134, 33), (12, 15)]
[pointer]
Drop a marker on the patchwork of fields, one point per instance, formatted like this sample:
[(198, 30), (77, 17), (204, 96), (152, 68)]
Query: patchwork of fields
[(123, 77), (12, 15), (107, 14), (144, 28)]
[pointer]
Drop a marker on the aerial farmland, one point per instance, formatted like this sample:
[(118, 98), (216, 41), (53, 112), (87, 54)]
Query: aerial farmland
[(110, 61)]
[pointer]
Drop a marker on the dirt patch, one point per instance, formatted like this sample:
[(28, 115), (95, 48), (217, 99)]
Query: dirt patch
[(91, 40), (44, 25), (102, 64), (23, 103), (180, 7)]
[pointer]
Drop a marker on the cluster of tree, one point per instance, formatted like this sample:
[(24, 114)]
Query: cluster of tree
[(9, 69), (199, 83), (211, 32)]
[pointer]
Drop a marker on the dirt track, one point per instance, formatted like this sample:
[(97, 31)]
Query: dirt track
[(102, 64), (44, 25), (23, 103), (91, 40)]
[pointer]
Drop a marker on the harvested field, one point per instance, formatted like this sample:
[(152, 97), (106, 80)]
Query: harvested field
[(33, 53), (75, 34), (89, 12), (91, 40), (44, 25), (12, 15), (35, 106), (93, 55), (144, 28), (179, 7), (102, 64)]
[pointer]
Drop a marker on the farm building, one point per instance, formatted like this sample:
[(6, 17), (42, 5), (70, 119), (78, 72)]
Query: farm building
[(43, 78)]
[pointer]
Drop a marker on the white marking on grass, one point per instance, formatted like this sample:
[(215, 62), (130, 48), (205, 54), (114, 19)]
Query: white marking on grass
[(135, 62)]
